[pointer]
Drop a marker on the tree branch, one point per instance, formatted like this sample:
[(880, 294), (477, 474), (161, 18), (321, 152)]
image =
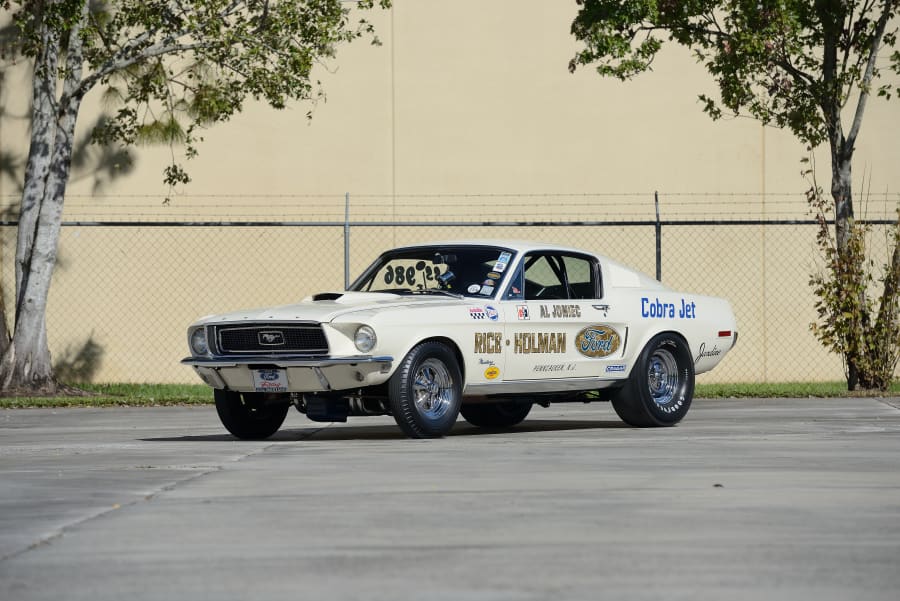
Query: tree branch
[(870, 70), (118, 63), (801, 76), (124, 57), (851, 35)]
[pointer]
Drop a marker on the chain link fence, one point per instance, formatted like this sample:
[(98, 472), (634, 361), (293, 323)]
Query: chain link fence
[(127, 285)]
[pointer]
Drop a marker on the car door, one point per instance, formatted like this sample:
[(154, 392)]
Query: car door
[(557, 323)]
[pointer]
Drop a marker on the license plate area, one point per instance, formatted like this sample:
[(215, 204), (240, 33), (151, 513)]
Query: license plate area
[(270, 380)]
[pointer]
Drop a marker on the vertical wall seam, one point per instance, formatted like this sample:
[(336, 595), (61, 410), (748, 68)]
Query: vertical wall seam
[(393, 124), (764, 287)]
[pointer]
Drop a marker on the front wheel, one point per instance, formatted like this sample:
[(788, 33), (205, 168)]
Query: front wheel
[(661, 385), (496, 415), (248, 415), (425, 392)]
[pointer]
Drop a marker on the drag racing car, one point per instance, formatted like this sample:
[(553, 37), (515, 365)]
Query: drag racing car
[(482, 329)]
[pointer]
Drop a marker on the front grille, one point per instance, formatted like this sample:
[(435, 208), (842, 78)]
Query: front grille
[(271, 339)]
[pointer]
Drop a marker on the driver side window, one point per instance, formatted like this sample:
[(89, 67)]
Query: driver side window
[(544, 279), (559, 277), (580, 274)]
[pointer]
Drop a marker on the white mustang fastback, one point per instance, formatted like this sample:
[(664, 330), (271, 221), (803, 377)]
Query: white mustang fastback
[(482, 329)]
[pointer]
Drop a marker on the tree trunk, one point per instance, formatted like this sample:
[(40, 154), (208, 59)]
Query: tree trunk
[(25, 365), (4, 331), (40, 151), (37, 166), (870, 344), (841, 193)]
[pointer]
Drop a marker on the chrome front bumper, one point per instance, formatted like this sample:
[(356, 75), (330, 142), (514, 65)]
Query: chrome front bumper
[(234, 372)]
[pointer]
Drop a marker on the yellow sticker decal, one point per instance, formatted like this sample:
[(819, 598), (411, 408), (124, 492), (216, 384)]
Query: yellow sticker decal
[(492, 373)]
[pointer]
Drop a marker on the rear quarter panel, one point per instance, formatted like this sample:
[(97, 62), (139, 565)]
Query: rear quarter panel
[(706, 323)]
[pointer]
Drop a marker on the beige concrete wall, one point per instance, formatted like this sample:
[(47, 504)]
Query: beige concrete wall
[(466, 111), (474, 97)]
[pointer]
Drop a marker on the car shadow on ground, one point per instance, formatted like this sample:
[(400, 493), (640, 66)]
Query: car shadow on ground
[(327, 432)]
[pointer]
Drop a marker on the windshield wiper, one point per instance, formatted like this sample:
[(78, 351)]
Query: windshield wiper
[(437, 291)]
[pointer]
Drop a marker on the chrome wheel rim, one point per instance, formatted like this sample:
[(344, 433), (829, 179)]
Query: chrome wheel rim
[(663, 377), (432, 389)]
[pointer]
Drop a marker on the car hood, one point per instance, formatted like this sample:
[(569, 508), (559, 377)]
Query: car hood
[(327, 306)]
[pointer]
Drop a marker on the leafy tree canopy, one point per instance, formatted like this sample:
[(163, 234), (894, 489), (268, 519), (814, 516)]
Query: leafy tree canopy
[(167, 67), (793, 63)]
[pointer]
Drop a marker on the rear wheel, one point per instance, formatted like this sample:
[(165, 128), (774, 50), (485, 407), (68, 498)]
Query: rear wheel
[(425, 392), (661, 386), (495, 415), (248, 415)]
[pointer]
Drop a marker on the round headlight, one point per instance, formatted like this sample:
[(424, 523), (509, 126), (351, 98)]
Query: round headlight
[(365, 339), (199, 345)]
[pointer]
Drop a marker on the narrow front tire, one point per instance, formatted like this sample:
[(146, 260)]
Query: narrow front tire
[(661, 385), (249, 416), (425, 392), (496, 415)]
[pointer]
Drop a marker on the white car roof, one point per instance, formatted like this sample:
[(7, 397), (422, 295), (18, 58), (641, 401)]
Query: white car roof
[(620, 274), (516, 245)]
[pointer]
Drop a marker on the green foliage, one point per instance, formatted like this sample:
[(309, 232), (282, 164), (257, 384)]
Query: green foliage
[(783, 390), (857, 301), (792, 63), (117, 395), (172, 67)]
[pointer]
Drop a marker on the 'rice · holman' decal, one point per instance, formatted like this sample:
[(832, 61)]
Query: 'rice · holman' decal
[(597, 341)]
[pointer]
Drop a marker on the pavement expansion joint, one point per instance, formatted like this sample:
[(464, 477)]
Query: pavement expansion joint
[(891, 401), (62, 530)]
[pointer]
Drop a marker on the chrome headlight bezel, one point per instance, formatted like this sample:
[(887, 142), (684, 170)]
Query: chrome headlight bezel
[(365, 339), (198, 342)]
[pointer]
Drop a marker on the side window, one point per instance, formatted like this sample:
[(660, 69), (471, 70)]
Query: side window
[(544, 278), (580, 276), (556, 277)]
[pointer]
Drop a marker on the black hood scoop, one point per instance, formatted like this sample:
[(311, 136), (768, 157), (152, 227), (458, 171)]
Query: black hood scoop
[(327, 296)]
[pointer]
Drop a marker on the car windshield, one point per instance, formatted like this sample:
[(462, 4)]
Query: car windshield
[(463, 270)]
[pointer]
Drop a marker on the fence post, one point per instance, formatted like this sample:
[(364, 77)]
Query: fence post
[(346, 241), (658, 228)]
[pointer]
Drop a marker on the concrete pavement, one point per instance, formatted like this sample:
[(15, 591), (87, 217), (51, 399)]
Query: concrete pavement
[(746, 499)]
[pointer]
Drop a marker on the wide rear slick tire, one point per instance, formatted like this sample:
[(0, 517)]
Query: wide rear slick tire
[(248, 415), (425, 392), (661, 385), (495, 415)]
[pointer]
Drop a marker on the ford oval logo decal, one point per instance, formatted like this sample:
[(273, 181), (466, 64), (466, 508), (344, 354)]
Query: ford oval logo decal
[(270, 338), (597, 341), (268, 375)]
